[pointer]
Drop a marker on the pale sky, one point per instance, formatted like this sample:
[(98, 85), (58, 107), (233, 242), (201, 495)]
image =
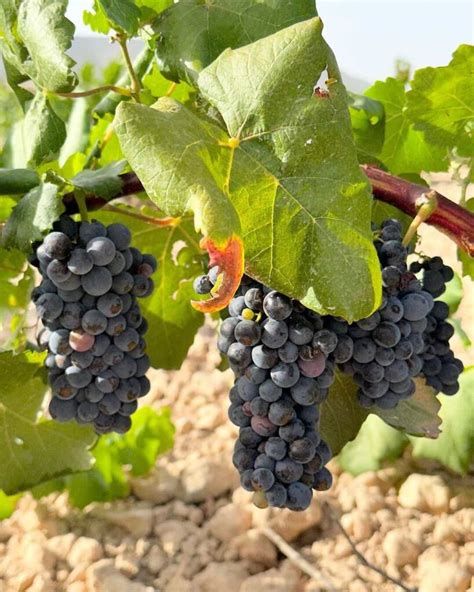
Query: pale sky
[(368, 36)]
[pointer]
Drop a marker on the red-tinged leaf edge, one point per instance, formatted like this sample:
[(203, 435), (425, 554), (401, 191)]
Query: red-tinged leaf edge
[(230, 260)]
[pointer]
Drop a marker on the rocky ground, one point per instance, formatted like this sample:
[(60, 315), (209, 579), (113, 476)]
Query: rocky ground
[(189, 528)]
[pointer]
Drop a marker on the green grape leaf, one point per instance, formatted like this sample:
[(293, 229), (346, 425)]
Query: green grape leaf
[(368, 124), (39, 136), (441, 102), (16, 282), (151, 434), (17, 181), (177, 156), (96, 20), (172, 321), (417, 415), (7, 504), (192, 33), (32, 450), (104, 182), (14, 78), (467, 261), (375, 444), (455, 446), (6, 207), (341, 415), (34, 215), (404, 150), (289, 168), (160, 86), (47, 34), (121, 15)]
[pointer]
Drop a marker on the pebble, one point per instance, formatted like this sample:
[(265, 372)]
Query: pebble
[(104, 577), (255, 546), (399, 549), (230, 521), (138, 521), (205, 478), (226, 576), (85, 550), (159, 487), (426, 493)]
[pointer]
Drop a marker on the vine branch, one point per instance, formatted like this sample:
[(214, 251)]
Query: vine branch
[(93, 91), (449, 217)]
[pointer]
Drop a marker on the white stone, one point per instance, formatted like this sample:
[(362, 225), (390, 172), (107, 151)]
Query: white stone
[(204, 478), (399, 549), (173, 533), (427, 493), (255, 546), (85, 550), (220, 577), (155, 560), (61, 544), (138, 521), (104, 577), (230, 521), (445, 577), (272, 580), (159, 487)]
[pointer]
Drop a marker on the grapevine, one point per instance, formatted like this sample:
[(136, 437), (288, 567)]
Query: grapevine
[(246, 184)]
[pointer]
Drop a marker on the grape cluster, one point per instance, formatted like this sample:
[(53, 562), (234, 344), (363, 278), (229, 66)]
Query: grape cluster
[(406, 337), (440, 367), (93, 327), (278, 351)]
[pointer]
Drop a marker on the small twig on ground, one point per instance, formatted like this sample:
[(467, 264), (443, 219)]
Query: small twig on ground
[(297, 559), (361, 557)]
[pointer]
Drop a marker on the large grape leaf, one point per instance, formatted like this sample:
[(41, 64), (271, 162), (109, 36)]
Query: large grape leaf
[(341, 415), (192, 33), (33, 450), (405, 149), (39, 136), (33, 215), (16, 283), (375, 444), (47, 34), (441, 102), (417, 415), (289, 168), (173, 322), (455, 446)]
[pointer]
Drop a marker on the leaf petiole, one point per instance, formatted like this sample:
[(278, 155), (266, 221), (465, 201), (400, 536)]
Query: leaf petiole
[(426, 205)]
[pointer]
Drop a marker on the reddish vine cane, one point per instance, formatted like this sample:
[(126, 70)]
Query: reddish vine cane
[(449, 218)]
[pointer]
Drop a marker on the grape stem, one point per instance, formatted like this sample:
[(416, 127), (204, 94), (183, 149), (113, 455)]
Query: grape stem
[(80, 198), (126, 92), (135, 82), (449, 217), (427, 204)]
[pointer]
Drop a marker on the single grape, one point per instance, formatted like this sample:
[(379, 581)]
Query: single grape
[(202, 285), (264, 357), (90, 230), (57, 245), (58, 272), (274, 333), (94, 322), (275, 448), (269, 391), (117, 265), (276, 496), (122, 283), (77, 377), (262, 479), (292, 431), (298, 497), (97, 282), (116, 325), (62, 410), (288, 471), (120, 235), (80, 262), (127, 340), (87, 411), (49, 306), (109, 404), (263, 426), (387, 334), (277, 306), (107, 381)]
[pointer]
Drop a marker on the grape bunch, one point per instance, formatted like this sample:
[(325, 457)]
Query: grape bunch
[(93, 327), (278, 352), (406, 337), (441, 368)]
